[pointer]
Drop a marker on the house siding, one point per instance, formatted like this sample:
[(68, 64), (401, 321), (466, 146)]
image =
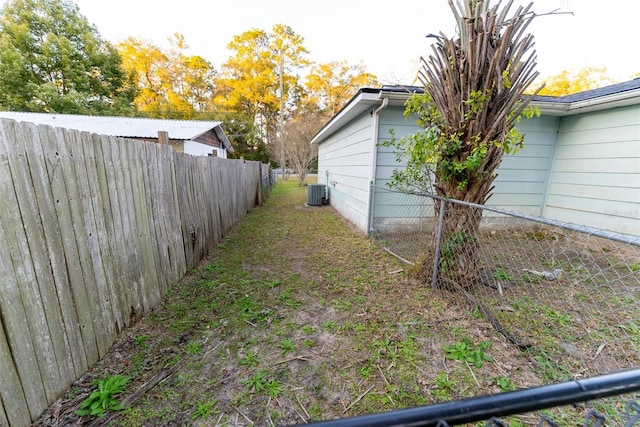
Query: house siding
[(580, 163), (522, 177), (520, 184), (597, 171), (392, 210), (344, 165)]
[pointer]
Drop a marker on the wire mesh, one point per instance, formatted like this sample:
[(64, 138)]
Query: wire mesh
[(569, 296)]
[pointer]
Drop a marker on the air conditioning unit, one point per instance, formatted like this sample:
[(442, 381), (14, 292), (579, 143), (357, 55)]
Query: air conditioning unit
[(316, 194)]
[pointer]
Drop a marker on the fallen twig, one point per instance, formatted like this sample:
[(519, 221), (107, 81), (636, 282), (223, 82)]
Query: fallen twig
[(290, 359), (383, 377), (397, 256), (358, 399), (600, 348), (243, 415), (303, 409), (472, 374)]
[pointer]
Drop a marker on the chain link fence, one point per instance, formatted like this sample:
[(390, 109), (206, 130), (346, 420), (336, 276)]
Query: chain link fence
[(567, 295)]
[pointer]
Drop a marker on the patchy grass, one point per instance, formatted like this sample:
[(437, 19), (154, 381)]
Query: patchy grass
[(296, 317)]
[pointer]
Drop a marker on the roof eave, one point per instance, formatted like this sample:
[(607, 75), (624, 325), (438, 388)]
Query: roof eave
[(361, 102), (558, 108), (223, 137)]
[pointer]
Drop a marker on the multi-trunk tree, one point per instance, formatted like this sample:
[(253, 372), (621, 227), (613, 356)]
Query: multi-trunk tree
[(474, 94)]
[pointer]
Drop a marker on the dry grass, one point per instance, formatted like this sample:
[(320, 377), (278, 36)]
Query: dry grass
[(297, 317)]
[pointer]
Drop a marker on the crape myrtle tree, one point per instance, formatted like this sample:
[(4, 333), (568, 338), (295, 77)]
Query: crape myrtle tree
[(53, 60), (474, 94), (299, 130)]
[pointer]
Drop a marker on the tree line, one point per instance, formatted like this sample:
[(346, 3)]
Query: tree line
[(53, 60)]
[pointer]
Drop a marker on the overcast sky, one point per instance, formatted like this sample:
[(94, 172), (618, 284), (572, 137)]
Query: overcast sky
[(388, 37)]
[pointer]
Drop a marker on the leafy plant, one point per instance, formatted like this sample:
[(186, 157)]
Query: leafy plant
[(194, 347), (203, 410), (500, 274), (258, 382), (273, 283), (287, 297), (273, 388), (287, 345), (442, 386), (308, 343), (504, 383), (307, 329), (103, 399), (466, 351), (215, 267), (141, 340), (250, 359), (329, 325), (632, 329)]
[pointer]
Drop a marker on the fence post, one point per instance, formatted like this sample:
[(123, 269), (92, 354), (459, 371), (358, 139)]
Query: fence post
[(436, 255)]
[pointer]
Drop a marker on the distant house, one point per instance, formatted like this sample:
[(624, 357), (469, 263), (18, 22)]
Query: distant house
[(199, 138), (580, 163)]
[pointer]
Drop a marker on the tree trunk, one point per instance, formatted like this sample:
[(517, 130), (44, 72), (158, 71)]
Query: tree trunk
[(457, 243)]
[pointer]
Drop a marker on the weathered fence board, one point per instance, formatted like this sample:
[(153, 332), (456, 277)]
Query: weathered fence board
[(70, 349), (63, 245), (18, 318), (62, 175), (93, 232), (11, 392), (153, 292), (86, 240), (96, 238), (35, 280)]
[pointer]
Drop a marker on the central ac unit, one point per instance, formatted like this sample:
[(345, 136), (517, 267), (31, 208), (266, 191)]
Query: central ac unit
[(316, 194)]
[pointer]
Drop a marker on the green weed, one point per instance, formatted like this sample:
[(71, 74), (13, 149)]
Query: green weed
[(504, 383), (329, 326), (194, 348), (250, 359), (287, 345), (142, 341), (203, 409), (287, 298), (443, 387), (258, 382), (273, 388), (466, 351), (500, 274), (273, 283), (103, 399), (215, 267), (307, 329)]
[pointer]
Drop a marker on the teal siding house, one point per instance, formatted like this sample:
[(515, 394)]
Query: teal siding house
[(580, 163)]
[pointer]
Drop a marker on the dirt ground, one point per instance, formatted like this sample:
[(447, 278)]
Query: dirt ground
[(297, 317)]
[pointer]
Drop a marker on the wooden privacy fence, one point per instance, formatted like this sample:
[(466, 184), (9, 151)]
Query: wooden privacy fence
[(93, 231)]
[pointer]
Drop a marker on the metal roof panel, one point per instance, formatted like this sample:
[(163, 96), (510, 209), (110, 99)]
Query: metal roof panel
[(131, 127)]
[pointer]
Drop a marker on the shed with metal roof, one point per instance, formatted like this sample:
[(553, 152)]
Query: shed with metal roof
[(195, 137)]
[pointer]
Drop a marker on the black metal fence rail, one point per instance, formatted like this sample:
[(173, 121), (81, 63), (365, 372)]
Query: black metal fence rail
[(510, 403)]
